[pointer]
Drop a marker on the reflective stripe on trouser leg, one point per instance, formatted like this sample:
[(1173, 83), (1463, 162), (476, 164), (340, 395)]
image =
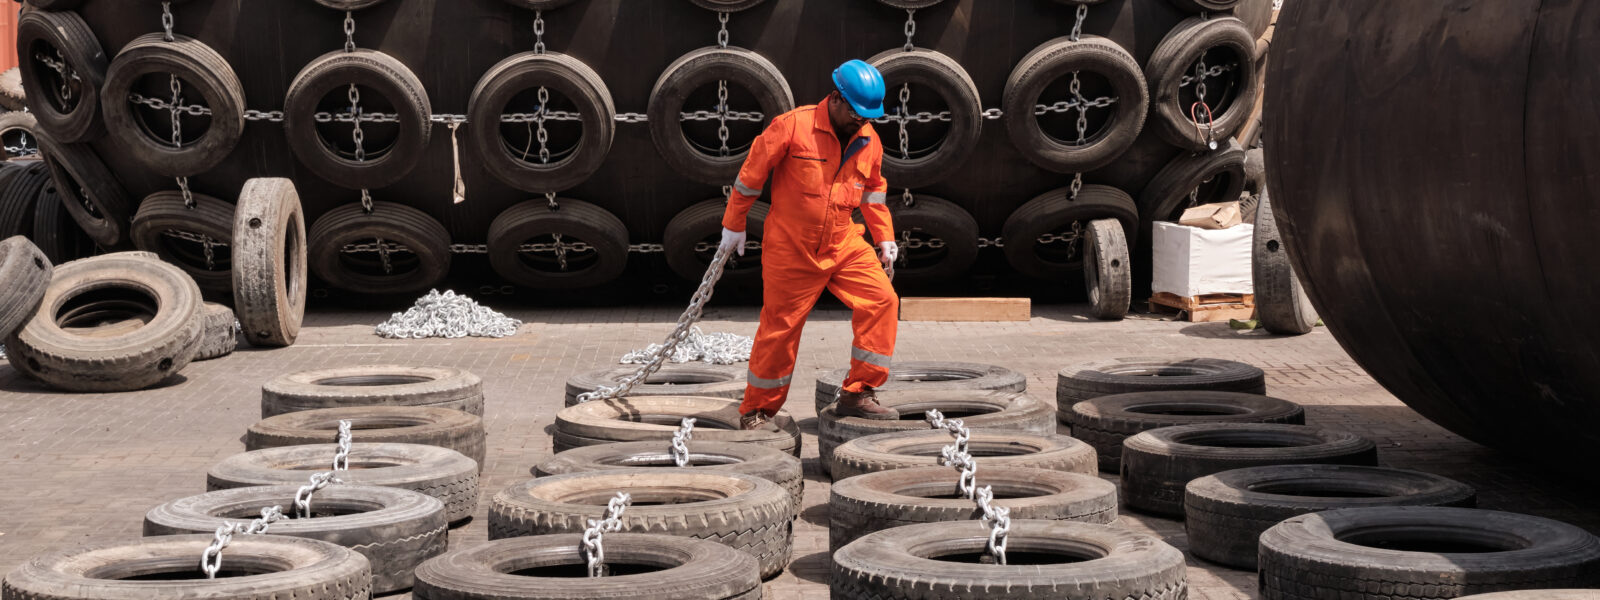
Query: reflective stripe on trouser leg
[(862, 285), (788, 295)]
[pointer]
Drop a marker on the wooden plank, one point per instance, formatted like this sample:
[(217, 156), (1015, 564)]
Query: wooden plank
[(1205, 309), (965, 309)]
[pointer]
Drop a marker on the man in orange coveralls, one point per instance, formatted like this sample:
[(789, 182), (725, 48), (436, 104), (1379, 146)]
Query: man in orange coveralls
[(824, 161)]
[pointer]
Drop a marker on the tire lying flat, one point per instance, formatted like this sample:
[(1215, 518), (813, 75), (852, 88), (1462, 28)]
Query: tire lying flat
[(373, 385), (426, 425), (690, 379), (988, 410), (688, 569), (1097, 378), (655, 418), (913, 449), (438, 472), (770, 464), (929, 376), (1106, 421)]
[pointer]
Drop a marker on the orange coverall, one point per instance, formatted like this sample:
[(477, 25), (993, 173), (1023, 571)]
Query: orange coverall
[(810, 242)]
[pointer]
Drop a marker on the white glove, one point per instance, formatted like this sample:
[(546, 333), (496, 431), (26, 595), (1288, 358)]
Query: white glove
[(733, 240), (888, 252)]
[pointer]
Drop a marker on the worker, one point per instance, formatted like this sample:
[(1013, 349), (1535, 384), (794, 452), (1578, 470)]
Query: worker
[(824, 162)]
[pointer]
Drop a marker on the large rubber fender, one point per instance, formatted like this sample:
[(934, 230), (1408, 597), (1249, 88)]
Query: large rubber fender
[(1446, 242)]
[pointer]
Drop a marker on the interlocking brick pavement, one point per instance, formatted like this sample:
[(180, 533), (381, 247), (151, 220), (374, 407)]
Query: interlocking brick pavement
[(77, 467)]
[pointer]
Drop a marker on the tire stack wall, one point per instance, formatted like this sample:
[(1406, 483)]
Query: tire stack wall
[(450, 44)]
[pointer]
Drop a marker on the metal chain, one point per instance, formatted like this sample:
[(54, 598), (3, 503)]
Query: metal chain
[(561, 252), (722, 33), (911, 28), (633, 118), (681, 332), (366, 201), (355, 114), (714, 115), (163, 105), (349, 31), (275, 116), (956, 455), (1077, 26), (722, 114), (59, 65), (211, 558), (1083, 108), (538, 32), (1077, 186), (177, 101), (680, 439), (594, 549), (998, 519), (341, 458), (905, 109), (448, 316), (166, 21), (188, 197), (906, 199), (550, 199), (543, 135), (1202, 74), (341, 462), (984, 242), (383, 256), (713, 348), (1066, 106)]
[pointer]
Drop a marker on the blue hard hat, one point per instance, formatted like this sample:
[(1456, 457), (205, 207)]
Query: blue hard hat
[(862, 86)]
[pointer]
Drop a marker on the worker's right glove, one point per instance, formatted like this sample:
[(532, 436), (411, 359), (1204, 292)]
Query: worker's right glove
[(733, 241)]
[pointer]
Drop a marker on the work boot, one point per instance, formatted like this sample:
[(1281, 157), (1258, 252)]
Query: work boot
[(863, 404), (756, 421)]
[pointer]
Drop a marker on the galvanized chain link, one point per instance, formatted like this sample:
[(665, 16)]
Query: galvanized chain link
[(349, 31), (341, 458), (632, 118), (166, 21), (957, 455), (722, 32), (984, 242), (550, 200), (1068, 106), (594, 549), (1083, 108), (680, 439), (924, 117), (356, 134), (275, 116), (906, 199), (713, 348), (905, 109), (1202, 73), (679, 334), (998, 519), (561, 252), (341, 462), (538, 32), (366, 202), (713, 115), (722, 114), (188, 197), (708, 246), (163, 105), (543, 135), (993, 114), (534, 117), (384, 257), (211, 558), (1077, 26), (177, 101), (911, 28), (447, 315), (1077, 186), (59, 65)]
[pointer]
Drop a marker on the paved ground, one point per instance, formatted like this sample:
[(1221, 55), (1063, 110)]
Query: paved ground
[(79, 467)]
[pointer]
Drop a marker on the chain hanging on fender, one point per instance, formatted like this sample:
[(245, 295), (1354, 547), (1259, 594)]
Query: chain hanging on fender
[(722, 31), (680, 438), (538, 32), (911, 28), (1200, 74), (211, 558), (1077, 25), (594, 550), (683, 330), (349, 31), (166, 22), (1077, 186)]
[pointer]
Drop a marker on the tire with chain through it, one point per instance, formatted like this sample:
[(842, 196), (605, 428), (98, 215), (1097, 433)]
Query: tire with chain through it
[(72, 116), (200, 72), (332, 74), (930, 70), (412, 250), (167, 226), (88, 190), (1172, 115), (548, 72), (1056, 213), (601, 259), (1060, 58), (929, 220), (439, 472), (700, 226), (683, 77)]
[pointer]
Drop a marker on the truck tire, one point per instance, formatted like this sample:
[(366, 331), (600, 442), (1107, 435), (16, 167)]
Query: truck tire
[(401, 228), (269, 262), (1106, 421), (51, 350), (1281, 303), (395, 529), (1063, 58), (978, 409), (577, 222), (914, 449), (219, 335), (72, 117), (691, 238), (655, 418), (557, 73), (380, 73), (877, 501), (679, 568), (941, 74), (689, 379), (202, 72), (1107, 272), (929, 376), (373, 385), (1157, 464), (1057, 213), (929, 220), (770, 464), (438, 472), (1175, 58), (20, 193), (88, 190), (1226, 513), (211, 220), (426, 425), (1098, 378), (27, 273), (737, 66)]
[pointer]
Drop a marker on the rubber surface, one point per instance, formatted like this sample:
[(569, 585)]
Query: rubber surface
[(164, 213), (978, 409), (218, 336), (415, 253), (269, 262), (1122, 375), (373, 385), (1106, 421), (689, 568), (770, 464), (426, 425), (929, 376), (657, 417), (438, 472), (913, 449), (205, 79), (687, 379), (27, 273), (1057, 213), (601, 259)]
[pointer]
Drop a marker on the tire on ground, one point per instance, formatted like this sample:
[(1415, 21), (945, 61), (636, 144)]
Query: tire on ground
[(1063, 58), (1056, 213), (691, 238), (1175, 58), (913, 449), (373, 385), (438, 472), (1281, 303), (218, 337), (680, 567), (740, 511), (50, 350), (878, 501), (926, 220), (1098, 378), (602, 257), (1225, 513), (379, 73), (206, 79), (285, 567), (88, 190), (1157, 464), (269, 262), (929, 376), (1107, 272), (1106, 421), (211, 221), (978, 409), (560, 74), (709, 65), (73, 117), (1422, 552), (27, 273), (395, 529), (426, 425), (656, 418), (941, 74), (770, 464), (1089, 561), (415, 253), (688, 379)]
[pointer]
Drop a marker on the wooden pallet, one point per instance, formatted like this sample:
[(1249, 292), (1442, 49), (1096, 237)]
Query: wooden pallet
[(1205, 308), (965, 309)]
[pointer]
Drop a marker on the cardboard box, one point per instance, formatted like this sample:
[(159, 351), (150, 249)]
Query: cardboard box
[(1221, 215), (1189, 261)]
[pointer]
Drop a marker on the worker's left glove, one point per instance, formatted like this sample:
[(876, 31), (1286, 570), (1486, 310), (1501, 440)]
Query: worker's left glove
[(888, 252)]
